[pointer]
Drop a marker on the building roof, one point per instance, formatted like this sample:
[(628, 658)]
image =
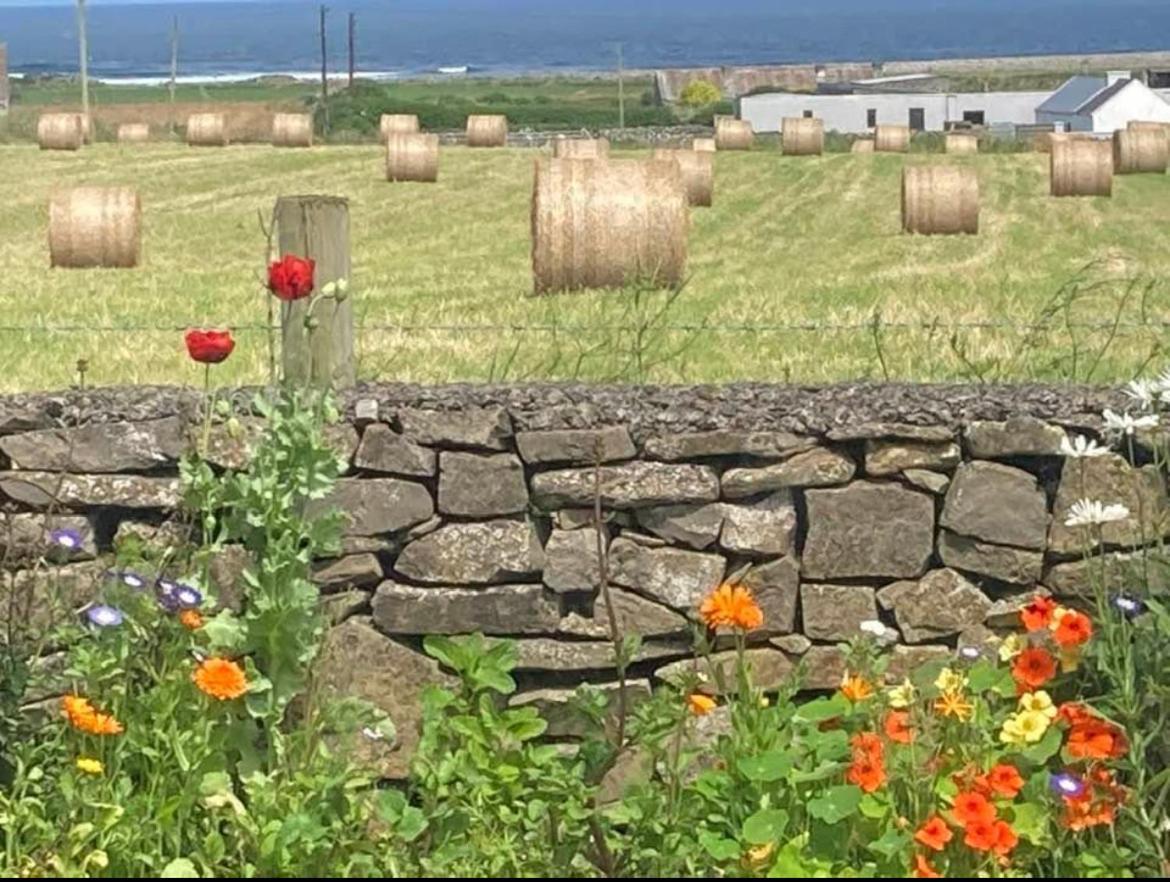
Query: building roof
[(1073, 95), (1103, 97)]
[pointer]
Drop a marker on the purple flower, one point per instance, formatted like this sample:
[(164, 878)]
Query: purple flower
[(1067, 785), (102, 616), (70, 540), (167, 594), (1129, 606), (130, 580), (187, 597)]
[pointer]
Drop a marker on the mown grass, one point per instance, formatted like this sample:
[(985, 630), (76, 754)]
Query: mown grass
[(442, 275)]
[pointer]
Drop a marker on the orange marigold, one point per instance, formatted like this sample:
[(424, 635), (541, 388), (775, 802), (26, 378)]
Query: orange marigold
[(923, 869), (85, 718), (220, 678), (856, 688), (1037, 615), (191, 619), (970, 808), (1005, 780), (731, 606), (934, 833), (700, 705), (1073, 629), (897, 727), (75, 708), (1034, 667)]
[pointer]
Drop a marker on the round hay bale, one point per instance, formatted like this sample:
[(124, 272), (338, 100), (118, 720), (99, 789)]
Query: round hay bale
[(95, 226), (961, 143), (207, 130), (698, 173), (133, 133), (607, 224), (862, 145), (1081, 168), (487, 130), (891, 139), (292, 130), (733, 134), (1140, 151), (940, 200), (802, 136), (60, 131), (1044, 141), (703, 145), (1136, 125), (412, 156), (402, 123), (581, 148)]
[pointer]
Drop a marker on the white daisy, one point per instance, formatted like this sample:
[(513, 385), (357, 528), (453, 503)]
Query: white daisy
[(1145, 392), (1090, 512), (1127, 424), (1080, 447)]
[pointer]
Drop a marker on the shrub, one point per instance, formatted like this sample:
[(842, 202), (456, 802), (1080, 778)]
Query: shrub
[(699, 93)]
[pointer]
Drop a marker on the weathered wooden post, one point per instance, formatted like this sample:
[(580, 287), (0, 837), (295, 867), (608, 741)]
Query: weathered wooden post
[(317, 227)]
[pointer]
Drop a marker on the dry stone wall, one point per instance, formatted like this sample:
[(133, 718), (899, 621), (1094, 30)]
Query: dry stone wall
[(470, 508)]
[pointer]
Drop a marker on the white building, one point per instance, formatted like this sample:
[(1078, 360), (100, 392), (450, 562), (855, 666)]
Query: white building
[(1103, 104)]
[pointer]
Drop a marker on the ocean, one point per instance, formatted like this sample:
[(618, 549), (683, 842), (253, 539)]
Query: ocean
[(232, 40)]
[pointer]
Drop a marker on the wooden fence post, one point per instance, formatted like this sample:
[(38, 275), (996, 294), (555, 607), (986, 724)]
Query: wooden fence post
[(317, 227)]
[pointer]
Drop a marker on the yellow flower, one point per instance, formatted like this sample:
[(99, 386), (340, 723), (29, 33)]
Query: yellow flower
[(1070, 658), (1026, 727), (90, 766), (950, 681), (901, 697), (953, 704), (754, 857), (1038, 702), (1057, 614), (1011, 646), (700, 705)]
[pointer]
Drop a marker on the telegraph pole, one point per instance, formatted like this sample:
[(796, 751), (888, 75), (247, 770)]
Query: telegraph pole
[(621, 90), (324, 74), (83, 52), (174, 65), (352, 21)]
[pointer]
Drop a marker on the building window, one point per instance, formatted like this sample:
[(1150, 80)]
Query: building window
[(871, 117), (974, 117), (808, 114), (917, 119)]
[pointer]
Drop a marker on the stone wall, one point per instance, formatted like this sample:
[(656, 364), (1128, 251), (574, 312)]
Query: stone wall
[(935, 509)]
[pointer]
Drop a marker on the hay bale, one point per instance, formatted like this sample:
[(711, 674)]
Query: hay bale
[(133, 133), (412, 156), (940, 200), (487, 130), (60, 131), (1044, 141), (292, 130), (1140, 151), (733, 134), (698, 173), (862, 145), (1081, 168), (703, 145), (581, 148), (207, 130), (961, 143), (396, 123), (607, 224), (1137, 125), (802, 136), (95, 226), (891, 139)]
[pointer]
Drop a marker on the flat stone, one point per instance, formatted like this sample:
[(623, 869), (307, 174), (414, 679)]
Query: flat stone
[(226, 568), (26, 537), (558, 707), (1005, 611), (575, 518), (571, 562), (474, 553), (931, 482), (680, 579), (46, 677), (232, 443), (696, 445), (775, 585), (635, 615), (997, 504), (868, 530), (644, 540), (835, 612), (793, 644), (1110, 479), (1018, 566), (905, 431), (770, 669), (500, 609), (630, 486), (576, 446), (165, 534), (814, 468), (477, 428), (936, 606), (547, 654), (384, 450), (982, 639), (695, 525), (890, 457), (344, 605), (366, 411), (99, 447), (1080, 578), (481, 486), (44, 598), (905, 660), (766, 528), (823, 667), (38, 490), (1016, 436), (357, 570), (373, 506), (357, 661)]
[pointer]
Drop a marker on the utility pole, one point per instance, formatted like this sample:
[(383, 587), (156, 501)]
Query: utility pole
[(352, 22), (83, 53), (621, 91), (174, 65), (324, 75)]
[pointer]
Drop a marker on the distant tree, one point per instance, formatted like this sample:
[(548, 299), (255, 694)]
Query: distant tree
[(700, 93)]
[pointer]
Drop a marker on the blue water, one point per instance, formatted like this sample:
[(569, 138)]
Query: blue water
[(500, 36)]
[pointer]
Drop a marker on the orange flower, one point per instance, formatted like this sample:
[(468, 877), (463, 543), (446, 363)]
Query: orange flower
[(867, 772), (84, 717), (954, 704), (897, 727), (1005, 838), (75, 708), (856, 688), (731, 606), (700, 705), (934, 833), (1034, 667), (191, 619), (220, 678), (1095, 738), (1037, 615), (923, 869), (970, 779), (867, 744), (981, 835), (970, 808), (1005, 780), (1073, 713), (1073, 629)]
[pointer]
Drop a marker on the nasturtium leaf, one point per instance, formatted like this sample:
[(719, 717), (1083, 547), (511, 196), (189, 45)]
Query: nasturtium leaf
[(765, 826), (873, 808), (770, 766), (820, 709), (719, 847), (893, 842), (836, 803), (1030, 821), (1044, 749), (179, 868)]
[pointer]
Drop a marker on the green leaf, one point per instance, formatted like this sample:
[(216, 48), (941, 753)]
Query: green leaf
[(770, 766), (831, 745), (835, 804), (873, 808), (820, 709), (1044, 749), (984, 676), (893, 842), (765, 826), (179, 868), (1030, 822), (719, 847)]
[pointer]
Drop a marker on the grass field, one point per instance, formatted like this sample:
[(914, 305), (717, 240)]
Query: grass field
[(789, 241)]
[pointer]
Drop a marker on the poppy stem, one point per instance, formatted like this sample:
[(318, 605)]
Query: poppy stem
[(206, 410)]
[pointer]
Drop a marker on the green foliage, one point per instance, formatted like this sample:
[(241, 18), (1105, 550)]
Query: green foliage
[(700, 93)]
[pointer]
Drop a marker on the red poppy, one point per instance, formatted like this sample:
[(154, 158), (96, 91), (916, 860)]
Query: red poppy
[(1037, 615), (1073, 629), (209, 347), (1005, 780), (1034, 667), (291, 277)]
